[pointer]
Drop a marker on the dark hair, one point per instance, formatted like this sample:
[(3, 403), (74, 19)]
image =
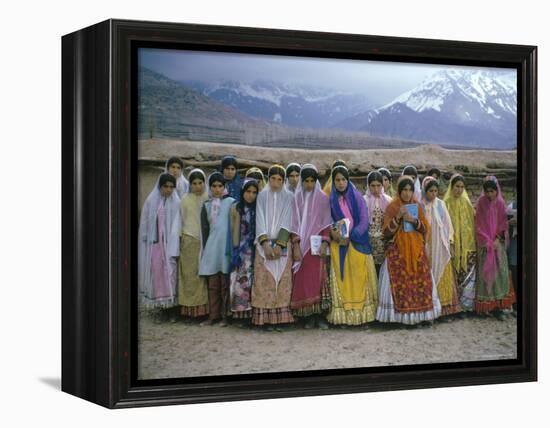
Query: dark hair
[(276, 170), (489, 185), (194, 175), (386, 173), (227, 161), (338, 162), (410, 170), (242, 203), (174, 159), (456, 178), (433, 171), (216, 177), (293, 168), (340, 170), (403, 182), (374, 176), (308, 172), (256, 175), (165, 178), (429, 184)]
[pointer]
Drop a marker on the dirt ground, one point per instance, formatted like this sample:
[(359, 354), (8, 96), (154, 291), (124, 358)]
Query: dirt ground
[(169, 350)]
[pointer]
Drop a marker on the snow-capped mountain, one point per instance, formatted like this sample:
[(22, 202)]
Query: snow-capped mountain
[(297, 106), (477, 108)]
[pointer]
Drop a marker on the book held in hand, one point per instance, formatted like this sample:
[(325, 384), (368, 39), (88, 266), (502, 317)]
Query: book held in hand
[(343, 227), (412, 209)]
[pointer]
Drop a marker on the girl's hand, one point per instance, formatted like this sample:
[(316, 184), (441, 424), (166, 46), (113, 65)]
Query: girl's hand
[(344, 242), (268, 251), (402, 212), (336, 235)]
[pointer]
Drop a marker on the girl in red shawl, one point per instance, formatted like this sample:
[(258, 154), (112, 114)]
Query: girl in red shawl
[(493, 290), (407, 292)]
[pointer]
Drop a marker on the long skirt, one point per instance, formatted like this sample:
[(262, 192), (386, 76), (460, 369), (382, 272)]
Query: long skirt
[(466, 284), (310, 291), (271, 301), (501, 294), (448, 293), (192, 290), (360, 275), (241, 280), (386, 310)]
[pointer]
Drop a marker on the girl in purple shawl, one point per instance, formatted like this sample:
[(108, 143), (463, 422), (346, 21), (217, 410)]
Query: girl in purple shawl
[(311, 221), (353, 274), (493, 288)]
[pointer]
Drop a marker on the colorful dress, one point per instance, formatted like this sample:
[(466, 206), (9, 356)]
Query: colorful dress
[(242, 275), (311, 217), (272, 289), (215, 258), (461, 212), (192, 291), (407, 291), (376, 207), (353, 274), (158, 249), (438, 247), (494, 289)]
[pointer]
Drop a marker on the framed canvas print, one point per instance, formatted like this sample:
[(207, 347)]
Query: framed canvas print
[(253, 213)]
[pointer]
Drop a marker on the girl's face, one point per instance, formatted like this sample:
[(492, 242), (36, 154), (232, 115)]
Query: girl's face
[(217, 189), (491, 194), (229, 172), (276, 182), (340, 182), (174, 169), (197, 186), (407, 193), (458, 188), (166, 189), (309, 184), (375, 188), (386, 182), (250, 195), (431, 193), (293, 178)]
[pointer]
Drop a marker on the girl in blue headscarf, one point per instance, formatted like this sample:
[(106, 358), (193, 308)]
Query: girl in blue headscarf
[(353, 274)]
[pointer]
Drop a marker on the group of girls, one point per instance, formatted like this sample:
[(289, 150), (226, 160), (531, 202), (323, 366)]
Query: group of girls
[(271, 252)]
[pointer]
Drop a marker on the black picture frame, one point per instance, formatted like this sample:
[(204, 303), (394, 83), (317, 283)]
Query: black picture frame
[(99, 163)]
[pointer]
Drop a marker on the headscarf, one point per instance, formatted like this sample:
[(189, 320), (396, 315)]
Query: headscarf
[(273, 213), (328, 185), (440, 222), (387, 173), (417, 187), (311, 211), (182, 185), (257, 174), (148, 231), (234, 185), (462, 216), (409, 244), (193, 203), (291, 167), (373, 202), (247, 214), (359, 234), (491, 220)]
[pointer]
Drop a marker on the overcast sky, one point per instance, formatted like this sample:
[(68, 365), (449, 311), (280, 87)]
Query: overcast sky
[(380, 81)]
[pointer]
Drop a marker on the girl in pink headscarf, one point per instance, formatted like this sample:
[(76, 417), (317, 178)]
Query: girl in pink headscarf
[(493, 290), (311, 221)]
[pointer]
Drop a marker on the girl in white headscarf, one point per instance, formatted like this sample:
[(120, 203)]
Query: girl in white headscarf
[(273, 263), (158, 245), (192, 291)]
